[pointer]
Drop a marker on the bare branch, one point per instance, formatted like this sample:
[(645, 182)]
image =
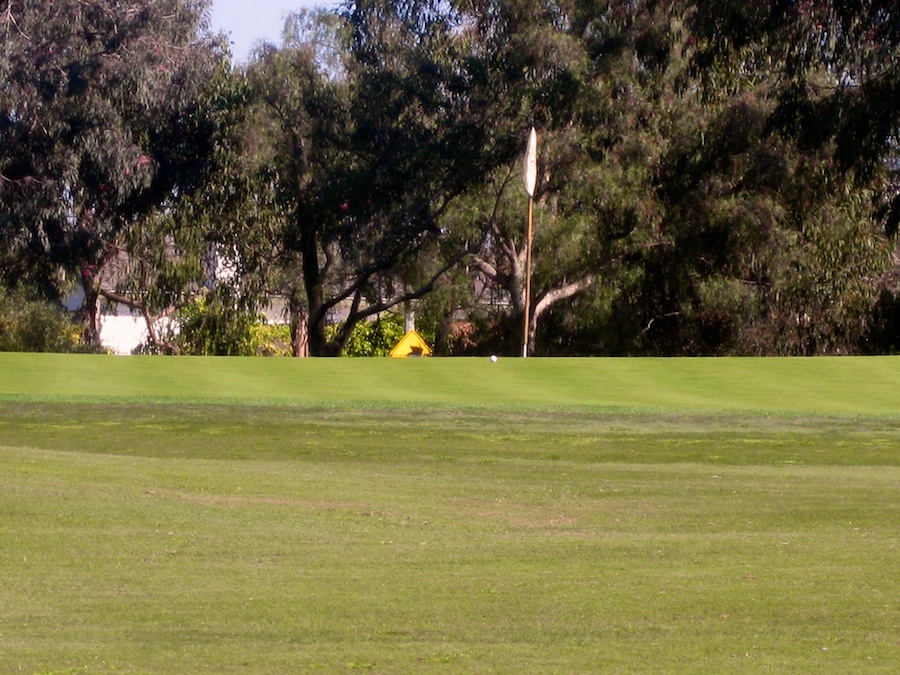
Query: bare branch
[(149, 320), (661, 316), (10, 21), (421, 291), (564, 292), (486, 268)]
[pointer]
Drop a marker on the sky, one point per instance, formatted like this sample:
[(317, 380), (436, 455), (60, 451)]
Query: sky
[(247, 22)]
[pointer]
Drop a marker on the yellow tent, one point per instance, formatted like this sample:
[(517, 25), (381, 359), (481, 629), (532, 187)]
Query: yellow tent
[(411, 344)]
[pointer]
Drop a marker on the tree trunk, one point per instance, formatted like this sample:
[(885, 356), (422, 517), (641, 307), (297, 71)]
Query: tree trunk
[(313, 284), (299, 319), (549, 299), (91, 310), (442, 336), (299, 335)]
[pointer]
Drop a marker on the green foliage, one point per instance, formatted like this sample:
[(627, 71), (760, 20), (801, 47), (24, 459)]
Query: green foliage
[(836, 63), (102, 124), (270, 339), (29, 324), (714, 177), (373, 338), (166, 257), (212, 325)]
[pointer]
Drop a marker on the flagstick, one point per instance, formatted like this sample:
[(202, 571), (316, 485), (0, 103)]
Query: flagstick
[(528, 241), (529, 177)]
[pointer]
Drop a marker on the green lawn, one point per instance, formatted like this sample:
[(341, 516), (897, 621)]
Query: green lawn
[(820, 386), (443, 516)]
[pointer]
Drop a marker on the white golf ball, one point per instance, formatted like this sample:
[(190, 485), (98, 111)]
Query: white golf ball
[(493, 358)]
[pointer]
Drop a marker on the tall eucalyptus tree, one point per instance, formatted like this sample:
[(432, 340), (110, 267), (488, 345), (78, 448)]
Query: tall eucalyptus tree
[(370, 151), (102, 123)]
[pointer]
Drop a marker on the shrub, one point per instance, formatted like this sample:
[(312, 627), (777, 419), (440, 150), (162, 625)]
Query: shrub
[(30, 324), (373, 338), (213, 326), (270, 339)]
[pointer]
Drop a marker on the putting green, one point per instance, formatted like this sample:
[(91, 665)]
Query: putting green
[(845, 386)]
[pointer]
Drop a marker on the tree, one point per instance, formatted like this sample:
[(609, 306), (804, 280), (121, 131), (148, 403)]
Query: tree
[(369, 156), (102, 124), (711, 226), (596, 160), (759, 254), (779, 194), (838, 78), (168, 261)]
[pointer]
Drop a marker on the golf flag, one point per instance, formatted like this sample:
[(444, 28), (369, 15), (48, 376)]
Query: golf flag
[(530, 176)]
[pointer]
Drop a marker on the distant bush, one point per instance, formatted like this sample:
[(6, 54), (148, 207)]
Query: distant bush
[(29, 324), (268, 339), (372, 338), (209, 326)]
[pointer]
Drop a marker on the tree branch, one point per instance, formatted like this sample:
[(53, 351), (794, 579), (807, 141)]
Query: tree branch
[(486, 268), (422, 290), (138, 306), (564, 292), (661, 316)]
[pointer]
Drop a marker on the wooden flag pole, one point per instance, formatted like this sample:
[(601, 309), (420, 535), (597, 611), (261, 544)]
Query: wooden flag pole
[(530, 179), (529, 237)]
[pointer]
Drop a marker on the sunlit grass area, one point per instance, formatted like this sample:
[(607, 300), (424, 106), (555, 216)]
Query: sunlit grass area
[(165, 516), (818, 386)]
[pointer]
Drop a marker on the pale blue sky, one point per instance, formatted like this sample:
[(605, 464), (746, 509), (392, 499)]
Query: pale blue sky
[(246, 22)]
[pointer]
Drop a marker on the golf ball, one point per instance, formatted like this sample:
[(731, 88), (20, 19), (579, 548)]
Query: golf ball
[(493, 358)]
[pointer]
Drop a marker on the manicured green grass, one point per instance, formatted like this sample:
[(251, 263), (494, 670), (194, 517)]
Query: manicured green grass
[(830, 386), (191, 515)]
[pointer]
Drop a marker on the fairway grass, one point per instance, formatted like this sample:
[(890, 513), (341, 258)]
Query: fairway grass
[(161, 519)]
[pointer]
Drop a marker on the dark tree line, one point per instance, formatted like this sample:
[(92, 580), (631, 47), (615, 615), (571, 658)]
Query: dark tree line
[(714, 178)]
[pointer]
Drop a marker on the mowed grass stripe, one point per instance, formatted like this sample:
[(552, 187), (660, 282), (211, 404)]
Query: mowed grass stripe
[(412, 435), (847, 386)]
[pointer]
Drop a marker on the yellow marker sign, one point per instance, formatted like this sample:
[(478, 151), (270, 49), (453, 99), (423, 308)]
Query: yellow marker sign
[(411, 344)]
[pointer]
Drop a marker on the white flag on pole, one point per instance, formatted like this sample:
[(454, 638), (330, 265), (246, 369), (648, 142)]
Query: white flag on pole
[(530, 176)]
